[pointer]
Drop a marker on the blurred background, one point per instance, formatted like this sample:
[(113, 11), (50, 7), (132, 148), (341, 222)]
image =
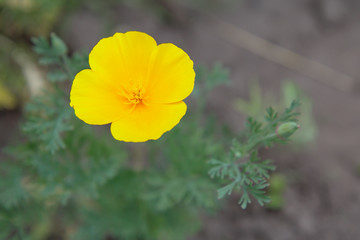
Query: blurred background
[(275, 51)]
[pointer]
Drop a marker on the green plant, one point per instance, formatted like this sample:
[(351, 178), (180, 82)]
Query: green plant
[(71, 181), (259, 100), (243, 167)]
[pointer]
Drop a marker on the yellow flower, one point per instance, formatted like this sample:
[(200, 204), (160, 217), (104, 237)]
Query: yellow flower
[(134, 84)]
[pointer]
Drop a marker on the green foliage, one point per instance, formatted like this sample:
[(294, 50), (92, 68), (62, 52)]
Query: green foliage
[(13, 191), (184, 179), (49, 115), (47, 119), (259, 100), (53, 53), (208, 79), (242, 169), (69, 180), (211, 78)]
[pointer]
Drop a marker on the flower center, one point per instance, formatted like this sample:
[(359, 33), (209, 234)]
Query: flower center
[(136, 96)]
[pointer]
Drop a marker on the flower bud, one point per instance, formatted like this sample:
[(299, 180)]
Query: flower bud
[(285, 130)]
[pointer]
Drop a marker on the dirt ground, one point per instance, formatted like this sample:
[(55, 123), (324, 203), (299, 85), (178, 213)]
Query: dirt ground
[(323, 193)]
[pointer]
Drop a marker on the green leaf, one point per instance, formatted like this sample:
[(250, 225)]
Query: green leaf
[(49, 60), (57, 76), (217, 76), (58, 45), (226, 190), (47, 119), (243, 168), (12, 191)]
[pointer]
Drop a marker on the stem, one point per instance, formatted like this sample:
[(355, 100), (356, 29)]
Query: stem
[(259, 141)]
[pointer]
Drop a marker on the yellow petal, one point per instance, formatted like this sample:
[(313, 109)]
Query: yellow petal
[(123, 59), (148, 122), (171, 77), (95, 101)]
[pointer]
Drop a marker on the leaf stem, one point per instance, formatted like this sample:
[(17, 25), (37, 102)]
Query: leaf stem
[(259, 141)]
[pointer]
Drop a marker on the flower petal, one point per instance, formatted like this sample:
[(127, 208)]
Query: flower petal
[(95, 101), (123, 59), (148, 122), (171, 77)]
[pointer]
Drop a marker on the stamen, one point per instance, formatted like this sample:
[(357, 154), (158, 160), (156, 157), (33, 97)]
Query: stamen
[(136, 96)]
